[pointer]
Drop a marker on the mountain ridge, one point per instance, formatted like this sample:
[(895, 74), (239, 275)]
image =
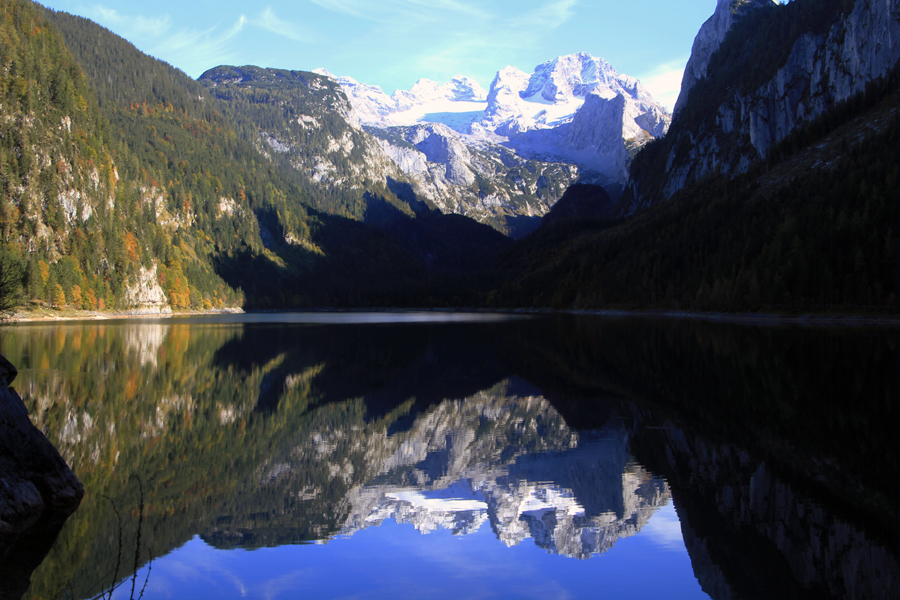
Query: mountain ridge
[(531, 115)]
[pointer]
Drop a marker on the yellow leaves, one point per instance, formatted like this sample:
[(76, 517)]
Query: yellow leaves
[(89, 300), (175, 284), (131, 248), (58, 296), (44, 270), (75, 296), (131, 385)]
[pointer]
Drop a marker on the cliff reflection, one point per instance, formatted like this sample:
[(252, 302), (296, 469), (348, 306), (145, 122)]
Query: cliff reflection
[(577, 501), (566, 431), (496, 457), (260, 436)]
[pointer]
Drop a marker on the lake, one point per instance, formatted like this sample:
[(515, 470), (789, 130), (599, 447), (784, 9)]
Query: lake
[(449, 455)]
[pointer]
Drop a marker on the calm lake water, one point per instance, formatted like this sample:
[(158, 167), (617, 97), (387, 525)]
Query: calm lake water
[(442, 455)]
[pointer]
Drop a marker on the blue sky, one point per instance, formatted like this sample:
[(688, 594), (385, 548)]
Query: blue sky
[(393, 43)]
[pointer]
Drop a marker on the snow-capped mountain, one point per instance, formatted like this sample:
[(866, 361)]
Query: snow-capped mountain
[(420, 104), (555, 92), (575, 109)]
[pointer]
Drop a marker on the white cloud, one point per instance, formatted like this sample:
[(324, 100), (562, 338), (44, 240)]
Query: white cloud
[(347, 7), (550, 15), (130, 26), (200, 50), (664, 82), (269, 21)]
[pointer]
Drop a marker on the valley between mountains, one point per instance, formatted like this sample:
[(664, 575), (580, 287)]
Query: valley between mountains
[(128, 186)]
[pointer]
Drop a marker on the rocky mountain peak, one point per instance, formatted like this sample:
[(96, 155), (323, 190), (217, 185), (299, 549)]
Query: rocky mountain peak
[(578, 75), (575, 112), (710, 37), (464, 89)]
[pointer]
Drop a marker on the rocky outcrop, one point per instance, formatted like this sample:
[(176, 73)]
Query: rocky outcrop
[(35, 482), (439, 145), (708, 40), (824, 66), (145, 295), (482, 181)]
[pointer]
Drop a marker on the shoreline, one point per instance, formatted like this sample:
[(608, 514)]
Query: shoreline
[(770, 319), (98, 315), (836, 320)]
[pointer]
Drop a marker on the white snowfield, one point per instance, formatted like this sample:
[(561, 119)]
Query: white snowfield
[(575, 109)]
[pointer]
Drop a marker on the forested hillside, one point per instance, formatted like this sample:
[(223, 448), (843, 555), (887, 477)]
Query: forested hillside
[(85, 216), (303, 123), (127, 184)]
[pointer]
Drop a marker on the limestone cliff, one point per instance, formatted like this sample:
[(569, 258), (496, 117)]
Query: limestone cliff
[(727, 496), (708, 40), (145, 295), (824, 54), (482, 181)]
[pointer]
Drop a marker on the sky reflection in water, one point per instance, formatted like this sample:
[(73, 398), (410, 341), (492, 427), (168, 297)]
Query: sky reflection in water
[(397, 561)]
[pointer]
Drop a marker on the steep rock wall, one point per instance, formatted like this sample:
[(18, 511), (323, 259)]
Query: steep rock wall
[(708, 40), (821, 70)]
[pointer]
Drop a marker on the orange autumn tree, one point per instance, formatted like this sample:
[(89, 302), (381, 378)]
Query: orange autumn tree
[(175, 284), (59, 296)]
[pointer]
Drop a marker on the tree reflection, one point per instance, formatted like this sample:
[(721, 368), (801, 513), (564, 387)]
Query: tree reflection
[(566, 430)]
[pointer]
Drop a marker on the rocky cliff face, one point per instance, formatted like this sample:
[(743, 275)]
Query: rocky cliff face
[(824, 66), (489, 184), (36, 482), (145, 295), (708, 40), (575, 117)]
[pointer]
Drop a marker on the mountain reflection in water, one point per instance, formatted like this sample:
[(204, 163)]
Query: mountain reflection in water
[(775, 445)]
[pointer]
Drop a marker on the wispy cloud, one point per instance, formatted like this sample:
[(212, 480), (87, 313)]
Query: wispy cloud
[(550, 15), (130, 25), (201, 49), (347, 7), (664, 82), (403, 12), (455, 37), (451, 5), (197, 49), (269, 21)]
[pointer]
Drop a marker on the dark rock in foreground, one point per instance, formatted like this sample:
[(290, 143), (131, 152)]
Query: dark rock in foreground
[(38, 491)]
